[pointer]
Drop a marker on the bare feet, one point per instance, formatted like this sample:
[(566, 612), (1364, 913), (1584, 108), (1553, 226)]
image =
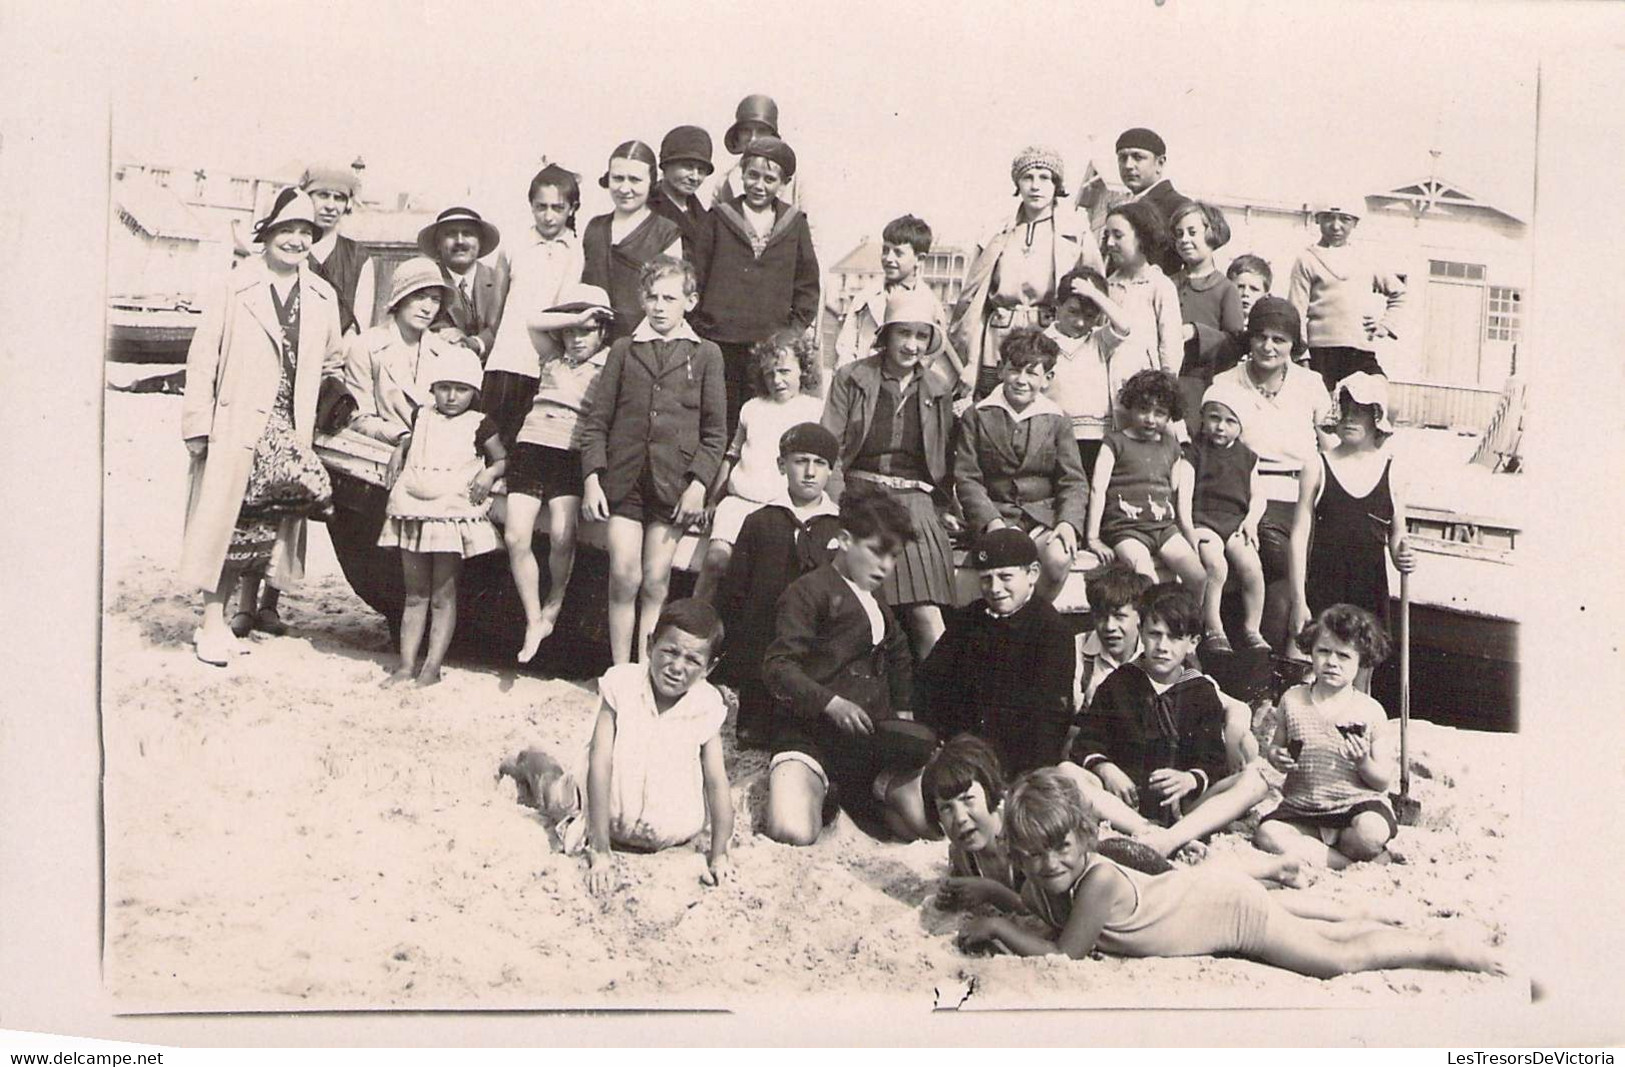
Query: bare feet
[(396, 677), (428, 677), (1462, 954), (535, 633)]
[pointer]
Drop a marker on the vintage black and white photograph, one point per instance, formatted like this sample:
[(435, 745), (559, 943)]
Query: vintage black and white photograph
[(624, 506)]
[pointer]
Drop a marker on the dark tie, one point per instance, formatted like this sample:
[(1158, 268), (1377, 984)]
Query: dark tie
[(473, 313)]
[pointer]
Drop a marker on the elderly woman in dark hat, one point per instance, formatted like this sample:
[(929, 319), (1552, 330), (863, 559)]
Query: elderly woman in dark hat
[(1011, 281), (685, 163), (253, 373)]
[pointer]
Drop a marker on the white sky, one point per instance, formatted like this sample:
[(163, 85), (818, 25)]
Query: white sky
[(890, 108)]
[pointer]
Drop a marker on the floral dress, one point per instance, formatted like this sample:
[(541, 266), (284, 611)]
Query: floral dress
[(286, 479)]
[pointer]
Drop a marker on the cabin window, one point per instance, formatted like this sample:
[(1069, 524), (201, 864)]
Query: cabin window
[(1506, 314), (1442, 268)]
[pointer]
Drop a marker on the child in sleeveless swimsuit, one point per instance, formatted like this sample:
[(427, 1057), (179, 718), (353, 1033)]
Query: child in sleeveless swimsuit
[(1087, 902), (439, 494), (1334, 807)]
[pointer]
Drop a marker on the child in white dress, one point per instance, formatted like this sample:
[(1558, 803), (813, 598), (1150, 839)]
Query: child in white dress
[(439, 494)]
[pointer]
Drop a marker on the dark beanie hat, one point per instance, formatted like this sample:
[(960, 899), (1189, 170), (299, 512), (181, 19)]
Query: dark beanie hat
[(1004, 547), (811, 438), (1273, 311), (1140, 137), (768, 147), (686, 143)]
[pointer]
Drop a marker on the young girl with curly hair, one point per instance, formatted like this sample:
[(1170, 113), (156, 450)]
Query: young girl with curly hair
[(784, 373)]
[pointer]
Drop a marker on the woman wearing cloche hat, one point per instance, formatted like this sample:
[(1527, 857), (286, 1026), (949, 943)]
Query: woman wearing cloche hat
[(253, 371), (1011, 282)]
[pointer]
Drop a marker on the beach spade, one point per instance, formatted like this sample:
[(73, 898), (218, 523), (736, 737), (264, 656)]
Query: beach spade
[(1406, 808)]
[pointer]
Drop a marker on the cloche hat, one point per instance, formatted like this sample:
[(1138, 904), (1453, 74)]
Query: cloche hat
[(415, 275), (757, 108), (291, 205)]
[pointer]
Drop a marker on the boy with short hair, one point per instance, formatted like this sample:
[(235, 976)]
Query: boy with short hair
[(840, 671), (757, 267), (653, 772), (1003, 669), (1016, 462), (904, 240), (1113, 637), (1334, 283), (650, 445), (1162, 737), (777, 544)]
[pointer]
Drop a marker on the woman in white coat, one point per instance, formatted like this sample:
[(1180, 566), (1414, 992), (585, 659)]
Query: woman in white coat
[(252, 376), (1011, 282), (389, 368)]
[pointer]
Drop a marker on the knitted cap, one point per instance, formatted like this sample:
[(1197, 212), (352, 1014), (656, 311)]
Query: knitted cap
[(339, 179), (415, 275), (1231, 396), (1004, 547), (1143, 139), (1039, 156), (1272, 311), (770, 147), (457, 364), (811, 438)]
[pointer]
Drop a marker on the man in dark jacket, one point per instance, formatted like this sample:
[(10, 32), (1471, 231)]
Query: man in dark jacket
[(1141, 155)]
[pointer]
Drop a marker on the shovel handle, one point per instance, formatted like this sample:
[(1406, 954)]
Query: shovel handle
[(1404, 683)]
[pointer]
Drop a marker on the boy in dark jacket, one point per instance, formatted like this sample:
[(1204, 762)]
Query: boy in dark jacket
[(840, 672), (1003, 670), (757, 268), (1162, 737), (778, 543)]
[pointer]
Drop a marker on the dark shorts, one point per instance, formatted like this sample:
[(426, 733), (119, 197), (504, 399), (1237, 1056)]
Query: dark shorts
[(1340, 821), (1336, 362), (543, 472), (507, 398), (644, 502), (850, 763), (1152, 535)]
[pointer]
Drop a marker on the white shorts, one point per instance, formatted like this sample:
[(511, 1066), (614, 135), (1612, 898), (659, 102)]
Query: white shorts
[(730, 517)]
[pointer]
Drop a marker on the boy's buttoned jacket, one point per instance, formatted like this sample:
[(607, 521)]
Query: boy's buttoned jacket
[(823, 647), (667, 414), (746, 297), (1041, 479), (850, 409)]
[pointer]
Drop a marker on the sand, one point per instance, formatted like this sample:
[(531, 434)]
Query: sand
[(283, 834)]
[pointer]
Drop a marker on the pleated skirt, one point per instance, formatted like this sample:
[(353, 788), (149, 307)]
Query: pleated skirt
[(924, 572)]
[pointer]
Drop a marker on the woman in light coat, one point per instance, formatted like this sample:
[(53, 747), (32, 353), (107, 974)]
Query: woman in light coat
[(389, 368), (253, 373), (1011, 281)]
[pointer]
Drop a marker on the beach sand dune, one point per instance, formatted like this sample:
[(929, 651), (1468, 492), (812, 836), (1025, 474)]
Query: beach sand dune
[(283, 834)]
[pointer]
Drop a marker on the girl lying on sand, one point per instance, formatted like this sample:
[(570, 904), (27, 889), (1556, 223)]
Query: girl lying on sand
[(1087, 901)]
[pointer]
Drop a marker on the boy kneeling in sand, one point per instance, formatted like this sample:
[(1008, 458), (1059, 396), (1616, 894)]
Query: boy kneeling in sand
[(840, 673), (654, 769)]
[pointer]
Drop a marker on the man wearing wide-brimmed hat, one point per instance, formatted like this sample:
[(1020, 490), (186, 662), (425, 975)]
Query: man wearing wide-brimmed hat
[(458, 239), (341, 261)]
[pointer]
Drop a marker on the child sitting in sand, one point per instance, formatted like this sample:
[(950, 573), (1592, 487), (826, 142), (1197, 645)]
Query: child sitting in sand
[(1087, 902), (1163, 739), (439, 494), (1330, 742), (964, 789), (653, 769)]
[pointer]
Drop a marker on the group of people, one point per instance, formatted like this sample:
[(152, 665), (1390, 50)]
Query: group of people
[(1101, 386)]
